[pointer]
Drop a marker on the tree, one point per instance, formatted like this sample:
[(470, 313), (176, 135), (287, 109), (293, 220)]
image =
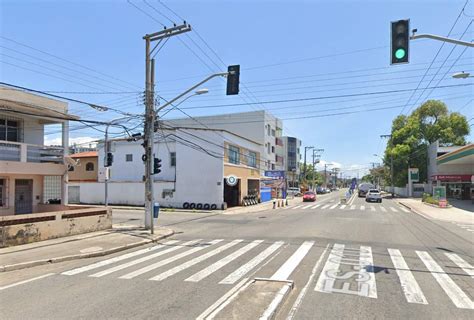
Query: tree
[(411, 136)]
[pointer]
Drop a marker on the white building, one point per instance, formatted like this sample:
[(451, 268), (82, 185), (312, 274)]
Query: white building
[(195, 163), (259, 126), (31, 174)]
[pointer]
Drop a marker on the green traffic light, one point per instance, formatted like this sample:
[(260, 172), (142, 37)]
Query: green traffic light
[(400, 53)]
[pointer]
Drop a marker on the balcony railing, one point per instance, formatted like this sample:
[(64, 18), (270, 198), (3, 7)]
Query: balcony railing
[(23, 152)]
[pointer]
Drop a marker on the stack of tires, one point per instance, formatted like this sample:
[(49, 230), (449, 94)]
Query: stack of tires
[(199, 206)]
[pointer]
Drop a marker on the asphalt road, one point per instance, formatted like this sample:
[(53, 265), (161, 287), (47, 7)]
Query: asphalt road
[(356, 261)]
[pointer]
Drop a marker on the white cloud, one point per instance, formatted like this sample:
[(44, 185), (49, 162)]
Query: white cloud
[(83, 141), (330, 165)]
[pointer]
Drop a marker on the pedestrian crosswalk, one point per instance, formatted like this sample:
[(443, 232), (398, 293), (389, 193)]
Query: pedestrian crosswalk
[(468, 227), (331, 206), (345, 269)]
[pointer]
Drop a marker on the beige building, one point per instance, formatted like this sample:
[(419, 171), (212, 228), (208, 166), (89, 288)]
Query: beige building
[(86, 168), (32, 174)]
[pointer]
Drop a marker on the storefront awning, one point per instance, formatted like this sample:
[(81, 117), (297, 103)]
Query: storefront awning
[(453, 177)]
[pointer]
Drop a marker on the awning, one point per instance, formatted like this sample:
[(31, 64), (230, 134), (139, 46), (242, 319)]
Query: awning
[(453, 177)]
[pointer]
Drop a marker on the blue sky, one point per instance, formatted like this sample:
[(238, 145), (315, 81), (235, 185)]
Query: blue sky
[(287, 50)]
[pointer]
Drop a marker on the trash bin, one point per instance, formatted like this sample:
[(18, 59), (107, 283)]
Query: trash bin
[(156, 210)]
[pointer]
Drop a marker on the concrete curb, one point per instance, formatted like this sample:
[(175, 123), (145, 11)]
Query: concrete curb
[(406, 206), (35, 263)]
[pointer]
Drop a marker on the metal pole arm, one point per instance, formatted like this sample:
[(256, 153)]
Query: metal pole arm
[(440, 38), (221, 74)]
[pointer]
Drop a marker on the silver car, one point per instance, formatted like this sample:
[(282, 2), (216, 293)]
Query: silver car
[(373, 195)]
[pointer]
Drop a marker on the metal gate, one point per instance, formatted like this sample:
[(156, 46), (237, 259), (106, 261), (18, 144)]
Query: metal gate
[(74, 194), (23, 196)]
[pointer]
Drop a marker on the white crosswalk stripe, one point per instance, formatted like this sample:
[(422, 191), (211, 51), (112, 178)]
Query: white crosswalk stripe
[(306, 207), (194, 261), (287, 268), (169, 260), (372, 208), (243, 270), (333, 206), (353, 207), (343, 206), (457, 296), (221, 263), (393, 209), (297, 207), (117, 259), (314, 207), (362, 207), (383, 209), (146, 258), (410, 287), (404, 209), (325, 206), (466, 267)]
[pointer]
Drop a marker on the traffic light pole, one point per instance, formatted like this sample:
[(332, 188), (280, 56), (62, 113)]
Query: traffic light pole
[(440, 38)]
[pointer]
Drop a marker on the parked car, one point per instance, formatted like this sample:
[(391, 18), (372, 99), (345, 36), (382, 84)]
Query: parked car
[(294, 192), (364, 188), (309, 196), (320, 190), (373, 195)]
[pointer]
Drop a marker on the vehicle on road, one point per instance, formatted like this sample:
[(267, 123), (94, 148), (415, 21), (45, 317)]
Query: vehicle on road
[(320, 190), (295, 192), (373, 195), (309, 196), (364, 188)]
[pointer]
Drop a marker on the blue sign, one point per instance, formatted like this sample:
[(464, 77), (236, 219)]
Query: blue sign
[(277, 174)]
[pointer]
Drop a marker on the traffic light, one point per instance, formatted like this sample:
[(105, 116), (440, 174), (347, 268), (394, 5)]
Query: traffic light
[(233, 80), (399, 48), (156, 165), (109, 160)]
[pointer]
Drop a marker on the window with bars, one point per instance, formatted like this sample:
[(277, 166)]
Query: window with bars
[(234, 155), (89, 166), (129, 157), (173, 159)]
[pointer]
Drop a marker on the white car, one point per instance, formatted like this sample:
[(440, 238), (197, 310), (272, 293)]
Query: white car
[(373, 195)]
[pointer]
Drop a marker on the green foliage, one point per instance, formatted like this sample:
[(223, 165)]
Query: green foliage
[(411, 136), (429, 199)]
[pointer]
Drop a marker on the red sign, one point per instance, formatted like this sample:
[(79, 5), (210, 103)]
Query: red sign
[(452, 177), (443, 203)]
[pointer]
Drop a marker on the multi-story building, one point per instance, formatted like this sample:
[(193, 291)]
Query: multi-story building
[(31, 173), (259, 126), (291, 153), (201, 168)]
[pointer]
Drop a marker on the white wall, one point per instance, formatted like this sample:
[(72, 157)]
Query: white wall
[(33, 131), (37, 195)]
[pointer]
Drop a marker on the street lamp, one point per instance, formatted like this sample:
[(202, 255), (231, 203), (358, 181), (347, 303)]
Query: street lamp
[(461, 75)]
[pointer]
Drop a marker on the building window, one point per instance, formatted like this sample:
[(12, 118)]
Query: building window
[(9, 130), (173, 159), (268, 129), (89, 166), (273, 149), (273, 166), (129, 157), (268, 148), (252, 159), (3, 192), (273, 133), (234, 155)]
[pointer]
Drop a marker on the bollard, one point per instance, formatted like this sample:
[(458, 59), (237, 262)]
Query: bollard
[(278, 203), (273, 204), (287, 202)]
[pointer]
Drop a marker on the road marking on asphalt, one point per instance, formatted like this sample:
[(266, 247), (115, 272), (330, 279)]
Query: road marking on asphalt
[(457, 296), (306, 207), (393, 209), (343, 206), (361, 262), (217, 306), (25, 281), (404, 209), (353, 207), (314, 207), (243, 270), (333, 206), (117, 259), (362, 207), (461, 263), (410, 287), (302, 294), (169, 260), (194, 261), (221, 263), (146, 258), (325, 206), (372, 208), (287, 268), (297, 207), (383, 209)]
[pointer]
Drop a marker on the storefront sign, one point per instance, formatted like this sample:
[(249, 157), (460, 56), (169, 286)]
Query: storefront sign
[(276, 174), (414, 174), (453, 177), (231, 180)]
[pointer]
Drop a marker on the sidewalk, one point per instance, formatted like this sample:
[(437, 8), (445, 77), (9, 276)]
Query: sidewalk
[(445, 214), (87, 245)]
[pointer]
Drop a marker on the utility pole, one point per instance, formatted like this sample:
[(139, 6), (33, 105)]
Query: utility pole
[(304, 168), (150, 114), (389, 136)]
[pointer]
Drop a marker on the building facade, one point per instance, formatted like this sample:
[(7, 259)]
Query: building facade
[(86, 168), (292, 156), (196, 164), (31, 173), (259, 126)]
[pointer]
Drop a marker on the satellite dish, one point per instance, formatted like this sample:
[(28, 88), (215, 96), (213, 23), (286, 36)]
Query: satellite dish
[(71, 162)]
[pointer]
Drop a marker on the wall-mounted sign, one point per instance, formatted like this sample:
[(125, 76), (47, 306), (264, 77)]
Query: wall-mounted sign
[(231, 180), (414, 174), (439, 193)]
